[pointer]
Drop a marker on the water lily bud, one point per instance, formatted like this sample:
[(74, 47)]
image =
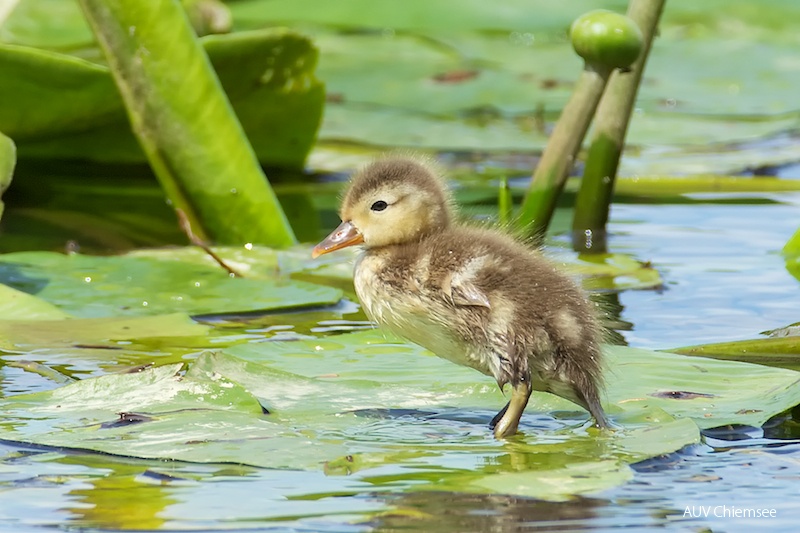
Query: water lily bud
[(606, 39)]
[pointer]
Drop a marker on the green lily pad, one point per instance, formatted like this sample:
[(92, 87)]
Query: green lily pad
[(88, 347), (388, 412), (486, 79), (18, 305), (635, 377), (87, 286), (20, 335), (615, 272), (781, 351)]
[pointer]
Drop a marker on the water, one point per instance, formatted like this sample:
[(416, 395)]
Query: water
[(725, 279)]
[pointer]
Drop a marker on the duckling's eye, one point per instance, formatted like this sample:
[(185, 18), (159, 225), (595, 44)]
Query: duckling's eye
[(380, 205)]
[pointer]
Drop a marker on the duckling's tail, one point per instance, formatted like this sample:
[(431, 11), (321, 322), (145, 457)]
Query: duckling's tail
[(581, 389), (588, 399)]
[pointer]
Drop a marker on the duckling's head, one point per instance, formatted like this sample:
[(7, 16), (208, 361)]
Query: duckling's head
[(393, 200)]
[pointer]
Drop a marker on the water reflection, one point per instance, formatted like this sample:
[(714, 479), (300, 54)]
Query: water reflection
[(447, 512)]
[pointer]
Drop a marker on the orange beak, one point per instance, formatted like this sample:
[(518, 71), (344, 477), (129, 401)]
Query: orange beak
[(342, 237)]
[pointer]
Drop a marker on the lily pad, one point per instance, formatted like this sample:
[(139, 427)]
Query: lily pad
[(780, 351), (18, 305), (366, 406), (494, 79), (87, 286), (90, 347), (635, 377), (20, 335), (615, 272)]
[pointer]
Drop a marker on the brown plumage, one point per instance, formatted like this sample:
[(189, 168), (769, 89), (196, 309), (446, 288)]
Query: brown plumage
[(473, 296)]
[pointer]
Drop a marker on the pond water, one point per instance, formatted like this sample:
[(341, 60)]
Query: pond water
[(724, 279)]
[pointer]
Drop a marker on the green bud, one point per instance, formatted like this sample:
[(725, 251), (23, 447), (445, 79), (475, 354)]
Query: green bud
[(606, 39)]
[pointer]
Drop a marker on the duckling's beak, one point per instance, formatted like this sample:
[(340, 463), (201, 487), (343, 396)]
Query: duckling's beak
[(343, 236)]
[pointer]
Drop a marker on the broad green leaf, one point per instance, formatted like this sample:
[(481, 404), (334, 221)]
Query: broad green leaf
[(88, 286), (46, 24), (8, 160), (203, 160), (490, 79), (20, 335), (791, 252), (635, 379), (268, 74), (615, 272), (539, 17), (448, 15), (207, 416), (792, 248), (387, 412), (781, 351), (18, 305), (85, 347)]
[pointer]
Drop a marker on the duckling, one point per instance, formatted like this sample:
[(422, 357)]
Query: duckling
[(473, 296)]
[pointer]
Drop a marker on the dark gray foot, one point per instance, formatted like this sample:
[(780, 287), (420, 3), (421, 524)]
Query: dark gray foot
[(498, 416)]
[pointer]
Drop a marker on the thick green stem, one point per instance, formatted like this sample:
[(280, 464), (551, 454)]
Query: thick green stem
[(613, 115), (562, 148), (184, 122)]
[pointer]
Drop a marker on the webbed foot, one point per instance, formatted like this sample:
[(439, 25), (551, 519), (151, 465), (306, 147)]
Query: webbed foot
[(507, 420)]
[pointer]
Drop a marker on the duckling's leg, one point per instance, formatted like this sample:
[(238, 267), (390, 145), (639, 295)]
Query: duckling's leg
[(505, 423)]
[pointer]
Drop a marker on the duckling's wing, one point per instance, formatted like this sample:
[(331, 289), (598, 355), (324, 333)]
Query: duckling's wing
[(464, 292)]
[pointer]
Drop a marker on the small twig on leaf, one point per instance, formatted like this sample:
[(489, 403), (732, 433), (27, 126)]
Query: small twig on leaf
[(186, 226)]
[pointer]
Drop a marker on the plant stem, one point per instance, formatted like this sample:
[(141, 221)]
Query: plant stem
[(562, 148), (613, 115), (505, 203)]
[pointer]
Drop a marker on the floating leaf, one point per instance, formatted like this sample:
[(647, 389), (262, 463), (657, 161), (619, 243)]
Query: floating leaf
[(18, 305), (779, 351), (357, 402), (521, 71), (20, 335), (87, 286), (634, 377), (615, 272), (94, 346)]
